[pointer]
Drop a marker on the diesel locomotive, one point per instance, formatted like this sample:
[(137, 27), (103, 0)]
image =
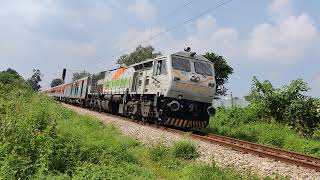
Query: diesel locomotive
[(175, 90)]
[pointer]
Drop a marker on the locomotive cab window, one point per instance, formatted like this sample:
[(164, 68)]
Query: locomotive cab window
[(143, 66), (203, 68), (181, 64), (160, 67)]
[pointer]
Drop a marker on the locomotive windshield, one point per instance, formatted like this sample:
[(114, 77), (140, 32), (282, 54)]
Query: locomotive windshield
[(203, 68), (181, 64)]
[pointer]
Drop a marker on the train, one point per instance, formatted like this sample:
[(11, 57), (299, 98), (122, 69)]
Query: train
[(175, 90)]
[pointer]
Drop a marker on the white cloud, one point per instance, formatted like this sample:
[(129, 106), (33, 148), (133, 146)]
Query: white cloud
[(14, 39), (205, 25), (317, 80), (315, 86), (283, 41), (16, 18), (130, 39), (144, 10), (73, 49), (101, 11), (31, 13), (214, 39), (28, 11), (280, 9), (207, 37)]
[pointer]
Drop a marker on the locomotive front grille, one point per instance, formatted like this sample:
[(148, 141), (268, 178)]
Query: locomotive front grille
[(185, 123)]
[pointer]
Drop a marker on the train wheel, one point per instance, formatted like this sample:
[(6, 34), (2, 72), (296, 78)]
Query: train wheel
[(134, 117), (158, 122), (144, 119)]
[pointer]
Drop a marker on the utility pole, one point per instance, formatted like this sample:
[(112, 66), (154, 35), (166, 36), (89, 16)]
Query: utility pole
[(232, 103), (64, 75)]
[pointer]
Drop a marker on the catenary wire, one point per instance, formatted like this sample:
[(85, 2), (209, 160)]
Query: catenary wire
[(176, 26), (176, 10)]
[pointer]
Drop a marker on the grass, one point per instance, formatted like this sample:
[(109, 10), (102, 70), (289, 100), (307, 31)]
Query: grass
[(39, 139), (239, 123), (184, 150), (163, 164)]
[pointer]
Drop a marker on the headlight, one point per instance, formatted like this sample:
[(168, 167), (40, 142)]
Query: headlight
[(211, 84), (174, 105), (211, 111)]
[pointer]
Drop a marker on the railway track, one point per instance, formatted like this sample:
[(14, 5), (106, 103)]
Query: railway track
[(285, 156)]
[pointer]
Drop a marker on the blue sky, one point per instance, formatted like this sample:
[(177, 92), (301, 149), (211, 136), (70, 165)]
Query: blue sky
[(276, 40)]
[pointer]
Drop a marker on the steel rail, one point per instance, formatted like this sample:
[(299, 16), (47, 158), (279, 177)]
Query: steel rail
[(289, 157), (282, 155)]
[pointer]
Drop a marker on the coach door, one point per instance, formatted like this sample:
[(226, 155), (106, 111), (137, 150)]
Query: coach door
[(81, 89), (138, 84), (135, 82)]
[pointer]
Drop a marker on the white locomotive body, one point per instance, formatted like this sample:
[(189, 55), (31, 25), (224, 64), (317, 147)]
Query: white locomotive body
[(177, 90)]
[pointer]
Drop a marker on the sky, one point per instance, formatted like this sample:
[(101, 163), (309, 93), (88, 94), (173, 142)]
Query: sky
[(276, 40)]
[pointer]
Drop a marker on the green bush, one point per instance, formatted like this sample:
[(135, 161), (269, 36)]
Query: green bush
[(167, 166), (184, 149), (202, 172), (280, 117), (159, 152), (165, 156), (40, 139), (27, 134), (287, 104), (264, 132)]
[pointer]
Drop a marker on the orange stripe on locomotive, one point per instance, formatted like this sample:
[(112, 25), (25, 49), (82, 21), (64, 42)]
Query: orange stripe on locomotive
[(118, 73)]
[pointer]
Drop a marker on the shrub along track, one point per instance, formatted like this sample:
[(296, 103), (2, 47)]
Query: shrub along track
[(285, 156)]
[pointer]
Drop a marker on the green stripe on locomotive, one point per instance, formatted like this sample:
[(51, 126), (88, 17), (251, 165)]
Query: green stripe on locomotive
[(116, 83)]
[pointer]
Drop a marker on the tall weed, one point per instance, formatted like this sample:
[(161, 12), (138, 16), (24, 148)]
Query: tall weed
[(234, 123)]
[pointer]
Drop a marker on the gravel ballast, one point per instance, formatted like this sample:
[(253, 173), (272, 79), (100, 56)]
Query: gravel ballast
[(209, 152)]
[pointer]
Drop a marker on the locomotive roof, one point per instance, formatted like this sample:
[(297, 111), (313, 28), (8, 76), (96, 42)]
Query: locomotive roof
[(189, 55), (84, 78), (147, 60), (181, 53)]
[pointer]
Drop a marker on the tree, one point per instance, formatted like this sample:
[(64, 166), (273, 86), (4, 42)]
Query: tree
[(8, 76), (287, 104), (35, 79), (79, 75), (12, 72), (223, 71), (140, 54), (56, 82)]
